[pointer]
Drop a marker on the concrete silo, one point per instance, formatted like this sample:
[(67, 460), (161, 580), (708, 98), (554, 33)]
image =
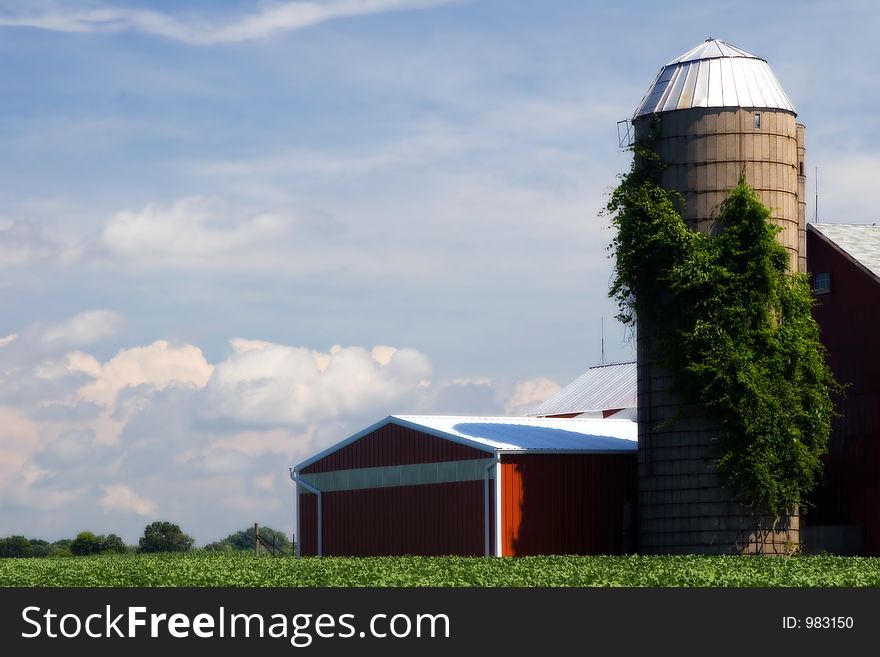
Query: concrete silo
[(721, 111)]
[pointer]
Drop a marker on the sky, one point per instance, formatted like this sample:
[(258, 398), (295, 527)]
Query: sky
[(233, 233)]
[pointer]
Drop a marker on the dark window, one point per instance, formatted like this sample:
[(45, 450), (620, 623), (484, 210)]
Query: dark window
[(822, 282), (801, 168), (757, 120)]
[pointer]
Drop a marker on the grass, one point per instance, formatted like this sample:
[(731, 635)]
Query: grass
[(245, 570)]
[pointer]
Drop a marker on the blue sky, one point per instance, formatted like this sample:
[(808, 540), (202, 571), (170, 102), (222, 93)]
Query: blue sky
[(232, 233)]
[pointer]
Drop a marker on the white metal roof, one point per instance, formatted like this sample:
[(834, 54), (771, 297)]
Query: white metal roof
[(860, 242), (512, 434), (714, 74), (600, 388)]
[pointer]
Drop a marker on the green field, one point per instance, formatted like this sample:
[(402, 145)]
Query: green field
[(218, 570)]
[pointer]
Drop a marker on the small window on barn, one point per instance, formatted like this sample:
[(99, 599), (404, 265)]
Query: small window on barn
[(757, 121), (822, 282)]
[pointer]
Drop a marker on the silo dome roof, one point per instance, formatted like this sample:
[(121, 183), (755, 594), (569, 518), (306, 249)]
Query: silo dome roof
[(714, 74)]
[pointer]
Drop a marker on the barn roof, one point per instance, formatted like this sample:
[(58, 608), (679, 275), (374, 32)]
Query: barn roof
[(600, 388), (860, 243), (512, 434)]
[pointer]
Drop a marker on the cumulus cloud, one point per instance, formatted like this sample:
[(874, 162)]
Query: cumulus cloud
[(267, 21), (19, 441), (84, 328), (119, 497), (159, 431), (200, 232), (264, 383), (157, 365), (188, 230), (528, 394)]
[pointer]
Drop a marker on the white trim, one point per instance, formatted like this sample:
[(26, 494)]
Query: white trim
[(480, 445), (336, 447), (391, 419), (498, 505), (487, 531), (320, 525), (296, 507)]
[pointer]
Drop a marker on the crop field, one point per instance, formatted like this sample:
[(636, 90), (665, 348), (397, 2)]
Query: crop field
[(245, 570)]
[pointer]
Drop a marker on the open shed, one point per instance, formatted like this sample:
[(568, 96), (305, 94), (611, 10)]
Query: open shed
[(441, 485)]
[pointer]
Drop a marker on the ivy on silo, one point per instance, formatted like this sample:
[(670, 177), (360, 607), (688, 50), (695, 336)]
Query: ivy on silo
[(733, 325)]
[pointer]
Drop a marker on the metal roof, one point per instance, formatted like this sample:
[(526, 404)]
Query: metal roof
[(714, 74), (600, 388), (512, 434), (860, 242)]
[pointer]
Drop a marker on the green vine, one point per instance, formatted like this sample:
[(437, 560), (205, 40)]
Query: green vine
[(734, 327)]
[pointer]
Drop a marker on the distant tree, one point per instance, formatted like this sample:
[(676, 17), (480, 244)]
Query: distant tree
[(20, 546), (40, 548), (16, 546), (111, 544), (243, 540), (85, 543), (61, 548), (218, 546), (162, 536)]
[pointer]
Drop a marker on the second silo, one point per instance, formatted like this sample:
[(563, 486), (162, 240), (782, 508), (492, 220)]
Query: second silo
[(721, 112)]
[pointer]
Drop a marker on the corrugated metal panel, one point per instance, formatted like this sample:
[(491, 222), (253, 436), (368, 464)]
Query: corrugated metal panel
[(714, 74), (393, 444), (601, 388), (401, 439), (553, 504), (712, 49), (861, 242), (517, 434), (433, 519)]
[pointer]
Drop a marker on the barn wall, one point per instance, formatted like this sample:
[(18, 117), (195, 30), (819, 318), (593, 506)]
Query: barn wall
[(394, 445), (429, 519), (565, 503), (425, 519), (849, 318)]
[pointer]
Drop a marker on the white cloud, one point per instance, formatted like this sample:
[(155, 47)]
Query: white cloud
[(119, 497), (205, 444), (5, 340), (266, 383), (84, 328), (158, 365), (190, 231), (527, 394), (198, 232), (202, 30), (19, 441)]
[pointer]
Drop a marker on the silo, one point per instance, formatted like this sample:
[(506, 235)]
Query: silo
[(721, 111)]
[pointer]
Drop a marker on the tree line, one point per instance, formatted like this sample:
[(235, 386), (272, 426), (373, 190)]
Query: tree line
[(159, 536)]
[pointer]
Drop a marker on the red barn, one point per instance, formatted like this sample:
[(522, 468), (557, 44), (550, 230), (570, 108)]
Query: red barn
[(502, 486), (844, 262)]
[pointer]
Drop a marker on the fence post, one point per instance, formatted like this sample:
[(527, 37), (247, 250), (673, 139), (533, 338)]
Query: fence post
[(256, 539)]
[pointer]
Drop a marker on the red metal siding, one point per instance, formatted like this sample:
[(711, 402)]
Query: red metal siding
[(394, 445), (849, 320), (308, 514), (431, 519), (565, 503)]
